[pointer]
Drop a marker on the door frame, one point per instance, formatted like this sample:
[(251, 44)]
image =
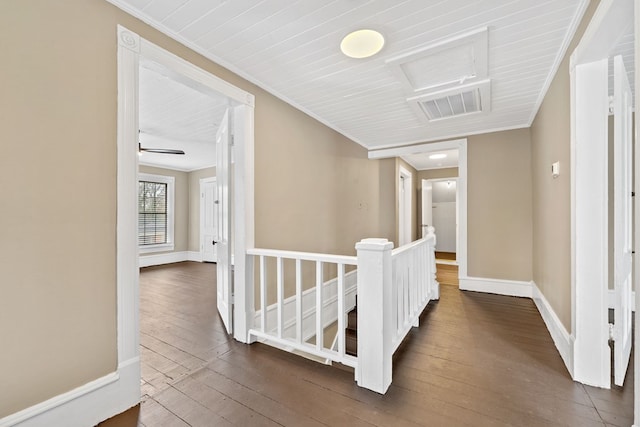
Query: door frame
[(455, 179), (404, 206), (454, 144), (131, 47), (591, 361), (214, 180)]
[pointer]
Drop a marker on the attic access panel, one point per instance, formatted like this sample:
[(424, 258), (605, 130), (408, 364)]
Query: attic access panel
[(444, 64)]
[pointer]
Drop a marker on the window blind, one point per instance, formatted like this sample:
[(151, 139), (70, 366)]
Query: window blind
[(152, 213)]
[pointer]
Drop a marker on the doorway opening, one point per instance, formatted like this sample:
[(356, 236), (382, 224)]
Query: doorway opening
[(405, 201), (439, 209), (144, 122), (454, 168)]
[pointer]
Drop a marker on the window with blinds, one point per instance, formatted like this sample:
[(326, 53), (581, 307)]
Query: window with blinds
[(152, 213)]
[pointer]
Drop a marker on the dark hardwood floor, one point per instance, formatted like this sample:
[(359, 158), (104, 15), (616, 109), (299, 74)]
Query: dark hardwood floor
[(476, 360)]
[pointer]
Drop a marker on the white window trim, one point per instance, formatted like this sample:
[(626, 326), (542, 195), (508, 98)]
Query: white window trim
[(171, 184)]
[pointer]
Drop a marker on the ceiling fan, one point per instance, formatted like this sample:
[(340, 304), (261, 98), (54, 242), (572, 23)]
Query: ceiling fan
[(157, 150)]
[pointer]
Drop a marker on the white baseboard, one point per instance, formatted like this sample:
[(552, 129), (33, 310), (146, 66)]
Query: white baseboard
[(561, 337), (86, 405), (194, 256), (164, 258), (496, 286), (612, 299)]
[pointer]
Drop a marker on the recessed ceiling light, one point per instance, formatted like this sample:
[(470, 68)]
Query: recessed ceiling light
[(437, 156), (362, 43)]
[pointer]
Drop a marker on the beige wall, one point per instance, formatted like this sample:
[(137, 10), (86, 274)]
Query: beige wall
[(436, 174), (550, 142), (315, 190), (499, 222), (181, 205), (194, 205)]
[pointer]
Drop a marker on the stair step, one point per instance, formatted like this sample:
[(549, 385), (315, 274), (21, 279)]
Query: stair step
[(351, 342), (352, 320)]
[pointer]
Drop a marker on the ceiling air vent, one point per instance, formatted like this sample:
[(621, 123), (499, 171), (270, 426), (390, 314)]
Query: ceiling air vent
[(454, 102)]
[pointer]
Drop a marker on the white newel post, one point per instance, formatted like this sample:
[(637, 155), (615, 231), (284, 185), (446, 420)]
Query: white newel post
[(374, 314), (435, 286)]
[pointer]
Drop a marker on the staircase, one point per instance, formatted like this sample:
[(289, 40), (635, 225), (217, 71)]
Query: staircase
[(351, 332)]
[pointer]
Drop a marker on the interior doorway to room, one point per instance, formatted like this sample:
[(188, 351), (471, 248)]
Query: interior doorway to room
[(405, 193), (438, 161), (439, 209), (237, 115), (178, 223)]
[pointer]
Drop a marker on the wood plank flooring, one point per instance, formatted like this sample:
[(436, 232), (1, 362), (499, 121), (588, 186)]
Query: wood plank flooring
[(476, 360)]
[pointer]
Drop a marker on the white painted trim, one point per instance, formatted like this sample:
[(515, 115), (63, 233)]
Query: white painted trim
[(561, 337), (451, 137), (164, 258), (497, 286), (194, 256), (86, 405), (636, 231), (153, 165), (611, 299), (589, 223), (415, 149), (610, 20), (571, 30)]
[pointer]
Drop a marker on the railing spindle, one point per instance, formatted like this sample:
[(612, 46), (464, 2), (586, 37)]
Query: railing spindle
[(299, 300), (263, 295), (280, 286), (319, 328), (341, 310)]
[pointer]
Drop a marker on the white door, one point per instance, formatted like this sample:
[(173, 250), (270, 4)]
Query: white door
[(208, 220), (224, 276), (623, 228), (427, 206)]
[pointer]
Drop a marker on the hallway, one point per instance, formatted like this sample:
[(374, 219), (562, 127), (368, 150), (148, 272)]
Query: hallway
[(477, 359)]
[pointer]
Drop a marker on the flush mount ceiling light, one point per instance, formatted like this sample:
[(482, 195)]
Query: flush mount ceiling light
[(437, 156), (362, 43)]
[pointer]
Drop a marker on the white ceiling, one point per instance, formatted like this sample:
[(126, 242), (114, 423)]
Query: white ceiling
[(173, 115), (291, 49)]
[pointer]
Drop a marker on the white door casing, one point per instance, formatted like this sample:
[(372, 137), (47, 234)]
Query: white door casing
[(208, 219), (223, 163), (404, 207), (623, 227), (427, 202)]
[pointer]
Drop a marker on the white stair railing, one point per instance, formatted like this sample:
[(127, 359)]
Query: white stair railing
[(302, 311), (393, 287)]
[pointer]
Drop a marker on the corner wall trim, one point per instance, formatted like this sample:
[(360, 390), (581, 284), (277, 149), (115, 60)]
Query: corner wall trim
[(561, 337), (497, 286), (164, 258), (86, 405)]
